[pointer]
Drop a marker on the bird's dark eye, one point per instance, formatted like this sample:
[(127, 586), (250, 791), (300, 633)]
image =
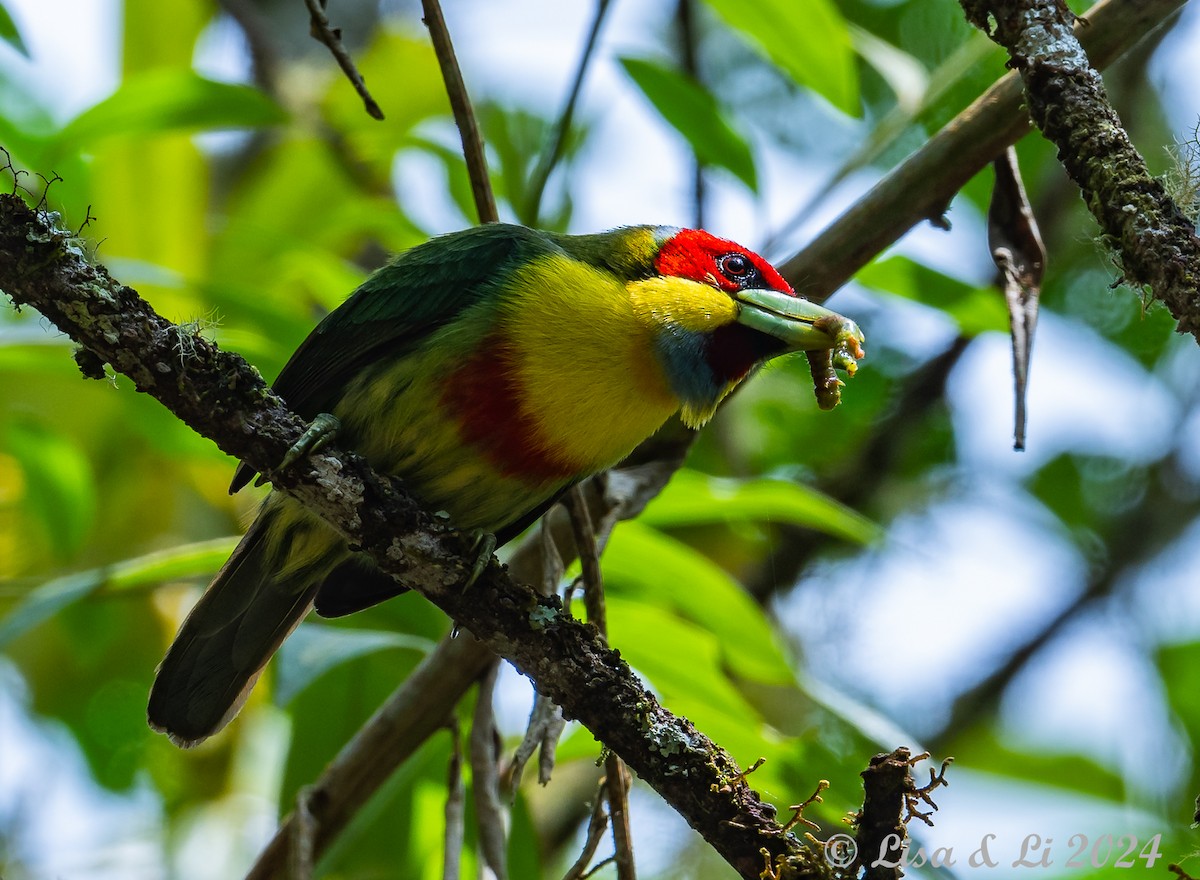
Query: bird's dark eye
[(736, 267)]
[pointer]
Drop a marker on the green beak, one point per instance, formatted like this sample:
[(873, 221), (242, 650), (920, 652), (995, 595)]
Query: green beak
[(802, 325)]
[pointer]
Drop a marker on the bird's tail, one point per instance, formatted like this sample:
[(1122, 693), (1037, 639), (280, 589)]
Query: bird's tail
[(253, 603)]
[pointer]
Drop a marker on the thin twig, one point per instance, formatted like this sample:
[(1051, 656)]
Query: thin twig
[(617, 783), (456, 803), (545, 727), (332, 38), (304, 832), (595, 833), (464, 113), (558, 140), (485, 776), (686, 20), (589, 561), (616, 774), (546, 722)]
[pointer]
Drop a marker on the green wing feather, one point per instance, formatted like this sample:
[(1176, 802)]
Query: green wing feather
[(391, 312)]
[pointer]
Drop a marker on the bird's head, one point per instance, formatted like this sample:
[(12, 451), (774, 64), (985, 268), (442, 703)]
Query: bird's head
[(719, 310)]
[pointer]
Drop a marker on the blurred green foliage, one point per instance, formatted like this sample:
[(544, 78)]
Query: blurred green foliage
[(113, 515)]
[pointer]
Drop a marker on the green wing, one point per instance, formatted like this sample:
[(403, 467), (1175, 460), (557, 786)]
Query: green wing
[(419, 292)]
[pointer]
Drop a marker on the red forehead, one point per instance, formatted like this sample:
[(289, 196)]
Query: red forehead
[(693, 254)]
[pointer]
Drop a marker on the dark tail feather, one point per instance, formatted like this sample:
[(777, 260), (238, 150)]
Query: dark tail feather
[(225, 642)]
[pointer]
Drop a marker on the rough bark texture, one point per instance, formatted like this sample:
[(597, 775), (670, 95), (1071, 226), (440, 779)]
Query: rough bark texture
[(921, 187), (887, 782), (222, 397), (1156, 243)]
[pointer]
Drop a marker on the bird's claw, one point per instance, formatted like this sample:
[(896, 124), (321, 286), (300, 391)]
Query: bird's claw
[(320, 431), (483, 545)]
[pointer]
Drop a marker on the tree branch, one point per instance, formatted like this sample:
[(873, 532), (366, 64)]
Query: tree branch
[(922, 186), (558, 140), (1067, 101), (419, 707), (222, 397), (331, 37), (464, 114)]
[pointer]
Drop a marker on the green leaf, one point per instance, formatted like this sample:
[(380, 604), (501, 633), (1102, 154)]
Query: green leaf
[(313, 650), (692, 499), (60, 490), (905, 75), (46, 600), (9, 32), (988, 751), (693, 112), (659, 570), (170, 100), (809, 40), (684, 663), (974, 309), (1179, 671)]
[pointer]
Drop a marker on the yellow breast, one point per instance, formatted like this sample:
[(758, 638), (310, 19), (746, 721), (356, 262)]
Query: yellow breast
[(585, 363)]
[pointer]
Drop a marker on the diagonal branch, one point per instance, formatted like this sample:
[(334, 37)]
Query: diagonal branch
[(1157, 244), (222, 397), (464, 113), (562, 128), (921, 187), (322, 32)]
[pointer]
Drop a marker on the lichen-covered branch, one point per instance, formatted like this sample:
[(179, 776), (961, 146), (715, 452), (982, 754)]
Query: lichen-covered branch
[(1156, 244), (921, 186), (222, 397)]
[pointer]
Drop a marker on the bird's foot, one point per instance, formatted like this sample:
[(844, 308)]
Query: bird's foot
[(318, 434), (483, 545)]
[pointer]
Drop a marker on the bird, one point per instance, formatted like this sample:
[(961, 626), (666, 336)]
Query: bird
[(490, 369)]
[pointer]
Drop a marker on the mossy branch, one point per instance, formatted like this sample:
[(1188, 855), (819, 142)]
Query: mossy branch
[(1153, 239), (222, 397)]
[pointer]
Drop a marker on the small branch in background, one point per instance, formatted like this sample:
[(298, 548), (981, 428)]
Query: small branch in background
[(546, 722), (1156, 243), (617, 780), (304, 831), (332, 38), (545, 726), (589, 561), (558, 140), (865, 474), (464, 113), (617, 783), (1017, 249), (456, 804), (485, 776), (1139, 534), (414, 712), (686, 22), (595, 833), (264, 59)]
